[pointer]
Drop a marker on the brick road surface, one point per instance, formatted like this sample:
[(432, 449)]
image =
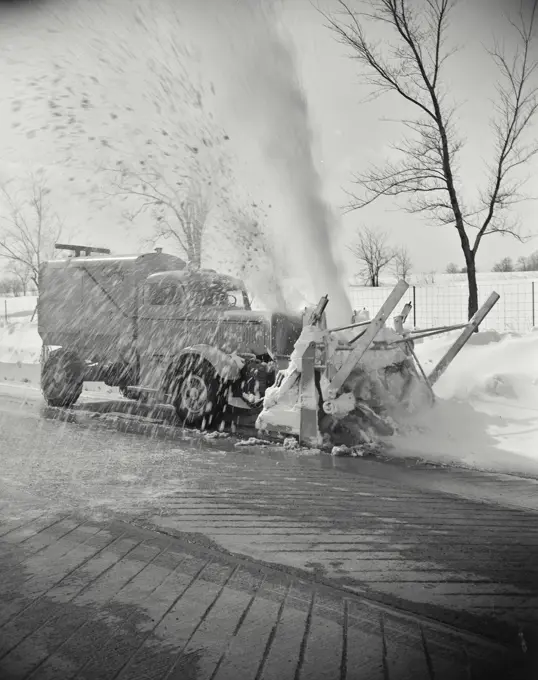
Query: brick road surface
[(86, 599), (454, 546)]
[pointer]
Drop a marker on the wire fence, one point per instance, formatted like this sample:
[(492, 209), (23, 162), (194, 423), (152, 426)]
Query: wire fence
[(516, 310)]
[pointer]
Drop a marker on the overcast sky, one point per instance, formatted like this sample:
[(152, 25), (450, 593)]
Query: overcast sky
[(97, 38)]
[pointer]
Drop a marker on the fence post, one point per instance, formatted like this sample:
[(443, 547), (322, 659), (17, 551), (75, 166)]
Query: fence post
[(5, 309), (414, 308), (533, 320)]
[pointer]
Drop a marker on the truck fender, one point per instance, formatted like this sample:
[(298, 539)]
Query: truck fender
[(227, 367)]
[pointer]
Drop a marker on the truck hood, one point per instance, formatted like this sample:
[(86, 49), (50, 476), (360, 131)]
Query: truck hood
[(280, 331), (259, 316)]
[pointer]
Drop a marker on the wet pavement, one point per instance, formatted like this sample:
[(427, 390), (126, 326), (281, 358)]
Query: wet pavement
[(454, 547), (87, 599)]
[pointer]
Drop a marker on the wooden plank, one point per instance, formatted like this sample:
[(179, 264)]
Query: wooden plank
[(366, 339), (308, 399), (458, 345)]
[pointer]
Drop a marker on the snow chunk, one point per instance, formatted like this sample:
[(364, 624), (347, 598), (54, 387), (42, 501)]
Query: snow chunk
[(254, 441)]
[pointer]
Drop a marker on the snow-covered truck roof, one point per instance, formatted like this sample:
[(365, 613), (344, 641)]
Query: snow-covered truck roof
[(121, 261), (201, 276)]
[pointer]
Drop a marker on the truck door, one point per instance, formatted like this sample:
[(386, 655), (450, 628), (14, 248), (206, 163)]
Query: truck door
[(172, 317), (162, 328)]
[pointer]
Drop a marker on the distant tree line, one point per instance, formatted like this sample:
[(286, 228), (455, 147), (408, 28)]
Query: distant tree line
[(15, 287), (452, 268), (523, 264)]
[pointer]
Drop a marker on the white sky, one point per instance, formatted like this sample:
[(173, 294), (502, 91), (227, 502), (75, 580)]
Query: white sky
[(96, 38)]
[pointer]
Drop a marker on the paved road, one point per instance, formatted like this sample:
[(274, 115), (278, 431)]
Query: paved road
[(422, 539), (87, 599)]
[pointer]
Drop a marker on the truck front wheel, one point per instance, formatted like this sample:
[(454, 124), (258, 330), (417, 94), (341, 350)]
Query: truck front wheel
[(198, 394), (62, 378)]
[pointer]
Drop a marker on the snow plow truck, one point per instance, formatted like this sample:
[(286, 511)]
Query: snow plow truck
[(160, 330), (157, 329)]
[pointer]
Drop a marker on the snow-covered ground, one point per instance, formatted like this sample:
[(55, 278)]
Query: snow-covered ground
[(17, 305), (486, 415), (19, 339), (19, 342)]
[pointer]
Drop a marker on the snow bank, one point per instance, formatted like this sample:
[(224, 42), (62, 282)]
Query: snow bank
[(24, 305), (486, 415), (19, 342)]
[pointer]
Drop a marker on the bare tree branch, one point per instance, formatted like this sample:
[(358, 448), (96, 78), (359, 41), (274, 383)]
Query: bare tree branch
[(29, 228), (410, 64), (402, 266), (516, 109), (180, 211)]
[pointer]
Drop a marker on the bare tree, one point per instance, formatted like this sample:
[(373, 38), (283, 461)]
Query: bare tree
[(428, 278), (22, 274), (532, 262), (504, 265), (528, 264), (16, 287), (29, 228), (402, 266), (11, 286), (373, 254), (179, 195), (452, 268), (179, 209), (6, 285), (164, 154), (426, 175)]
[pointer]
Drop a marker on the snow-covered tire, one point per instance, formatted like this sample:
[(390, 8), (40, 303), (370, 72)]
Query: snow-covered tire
[(62, 378), (198, 393)]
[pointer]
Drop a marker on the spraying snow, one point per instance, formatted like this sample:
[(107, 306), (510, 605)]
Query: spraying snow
[(485, 416), (271, 110)]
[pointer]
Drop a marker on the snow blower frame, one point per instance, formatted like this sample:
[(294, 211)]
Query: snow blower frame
[(309, 394)]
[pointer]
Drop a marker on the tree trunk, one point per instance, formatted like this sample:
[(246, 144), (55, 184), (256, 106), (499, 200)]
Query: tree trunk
[(196, 260), (472, 307)]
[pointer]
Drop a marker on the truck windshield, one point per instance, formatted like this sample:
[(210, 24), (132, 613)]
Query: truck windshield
[(216, 295)]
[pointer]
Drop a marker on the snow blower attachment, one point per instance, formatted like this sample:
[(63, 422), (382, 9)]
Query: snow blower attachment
[(343, 384)]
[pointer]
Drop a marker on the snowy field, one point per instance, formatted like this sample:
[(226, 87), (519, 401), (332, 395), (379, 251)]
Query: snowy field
[(17, 306)]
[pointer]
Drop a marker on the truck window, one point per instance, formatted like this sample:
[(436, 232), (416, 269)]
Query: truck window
[(208, 294), (204, 294), (167, 293), (238, 298)]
